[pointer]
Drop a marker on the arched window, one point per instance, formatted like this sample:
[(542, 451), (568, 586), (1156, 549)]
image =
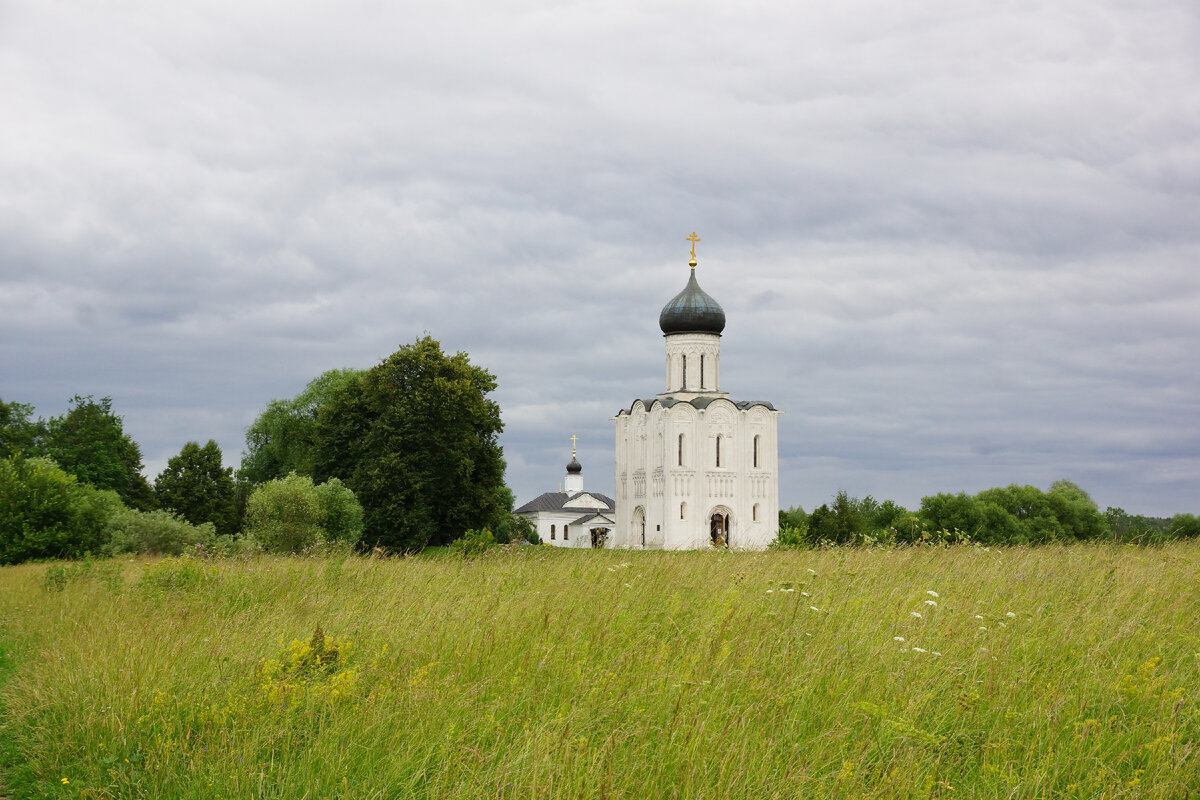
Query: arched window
[(682, 510), (566, 532), (681, 449), (684, 371), (702, 372), (552, 532), (756, 512), (756, 451), (718, 449)]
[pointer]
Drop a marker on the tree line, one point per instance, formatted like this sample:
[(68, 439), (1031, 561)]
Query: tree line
[(399, 456), (1007, 515)]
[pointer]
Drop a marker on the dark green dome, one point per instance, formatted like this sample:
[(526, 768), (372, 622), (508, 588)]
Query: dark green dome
[(692, 311)]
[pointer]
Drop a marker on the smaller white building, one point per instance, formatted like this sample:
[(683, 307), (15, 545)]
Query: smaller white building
[(573, 517)]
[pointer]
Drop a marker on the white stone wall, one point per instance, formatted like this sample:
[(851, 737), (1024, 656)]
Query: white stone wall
[(676, 500), (693, 362), (580, 536)]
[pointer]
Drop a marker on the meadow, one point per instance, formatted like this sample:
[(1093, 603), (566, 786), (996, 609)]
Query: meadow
[(957, 671)]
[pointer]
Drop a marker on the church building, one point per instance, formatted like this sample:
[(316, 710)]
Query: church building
[(694, 467), (571, 518)]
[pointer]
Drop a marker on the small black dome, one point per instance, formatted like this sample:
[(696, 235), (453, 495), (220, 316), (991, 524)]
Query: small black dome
[(692, 311), (574, 468)]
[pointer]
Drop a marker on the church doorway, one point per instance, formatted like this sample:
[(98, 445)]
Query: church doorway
[(718, 527), (639, 525)]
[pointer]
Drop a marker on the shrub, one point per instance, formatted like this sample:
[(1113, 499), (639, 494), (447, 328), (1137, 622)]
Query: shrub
[(156, 532), (176, 574), (46, 513), (288, 515), (473, 543), (791, 537)]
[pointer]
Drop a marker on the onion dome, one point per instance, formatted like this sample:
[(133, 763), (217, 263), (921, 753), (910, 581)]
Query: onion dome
[(692, 311), (574, 467)]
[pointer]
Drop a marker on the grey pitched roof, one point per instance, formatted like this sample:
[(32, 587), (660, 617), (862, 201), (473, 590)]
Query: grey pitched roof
[(697, 402), (561, 501), (590, 517)]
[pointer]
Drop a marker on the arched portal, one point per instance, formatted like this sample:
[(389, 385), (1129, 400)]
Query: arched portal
[(639, 525), (720, 527)]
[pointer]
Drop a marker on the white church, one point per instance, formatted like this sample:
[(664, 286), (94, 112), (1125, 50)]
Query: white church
[(695, 468)]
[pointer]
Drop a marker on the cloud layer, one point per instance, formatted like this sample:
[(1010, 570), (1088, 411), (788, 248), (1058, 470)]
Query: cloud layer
[(955, 243)]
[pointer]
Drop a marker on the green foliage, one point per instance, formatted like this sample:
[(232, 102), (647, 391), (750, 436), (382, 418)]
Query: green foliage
[(61, 574), (18, 433), (46, 513), (844, 523), (287, 515), (283, 438), (156, 532), (175, 575), (791, 537), (473, 544), (1018, 514), (89, 442), (198, 487), (416, 438), (1185, 526)]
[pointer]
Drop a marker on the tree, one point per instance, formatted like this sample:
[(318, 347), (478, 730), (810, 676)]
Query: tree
[(416, 438), (286, 515), (283, 438), (196, 485), (90, 443), (47, 513), (18, 435)]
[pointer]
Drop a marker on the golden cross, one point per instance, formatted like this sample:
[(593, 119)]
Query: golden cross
[(693, 239), (574, 439)]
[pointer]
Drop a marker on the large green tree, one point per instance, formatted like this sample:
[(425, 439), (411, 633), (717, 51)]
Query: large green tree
[(19, 434), (89, 441), (196, 485), (47, 513), (417, 440), (282, 439)]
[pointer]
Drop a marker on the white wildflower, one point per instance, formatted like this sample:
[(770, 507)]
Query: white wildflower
[(931, 603), (787, 590), (916, 614), (805, 594), (978, 616), (920, 650), (1002, 625), (983, 629), (813, 608), (897, 638), (932, 593), (936, 653), (1011, 615), (812, 571), (769, 591)]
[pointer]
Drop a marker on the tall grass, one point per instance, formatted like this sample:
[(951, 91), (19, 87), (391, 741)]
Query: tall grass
[(1064, 672)]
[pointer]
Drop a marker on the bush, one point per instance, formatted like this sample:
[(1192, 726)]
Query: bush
[(46, 513), (473, 543), (156, 532), (176, 574), (288, 515), (791, 537)]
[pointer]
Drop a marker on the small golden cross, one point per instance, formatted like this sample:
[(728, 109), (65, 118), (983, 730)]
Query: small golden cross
[(693, 239), (574, 439)]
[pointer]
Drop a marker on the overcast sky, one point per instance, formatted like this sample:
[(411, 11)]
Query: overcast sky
[(956, 242)]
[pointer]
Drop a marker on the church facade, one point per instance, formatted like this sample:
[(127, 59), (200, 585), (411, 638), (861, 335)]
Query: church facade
[(696, 468), (571, 517)]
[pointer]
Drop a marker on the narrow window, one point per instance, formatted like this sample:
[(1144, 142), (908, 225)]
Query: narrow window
[(681, 449), (552, 532), (756, 512), (718, 449), (756, 452), (566, 532), (685, 371), (682, 509), (702, 371)]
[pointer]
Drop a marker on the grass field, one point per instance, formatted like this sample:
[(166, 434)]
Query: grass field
[(961, 672)]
